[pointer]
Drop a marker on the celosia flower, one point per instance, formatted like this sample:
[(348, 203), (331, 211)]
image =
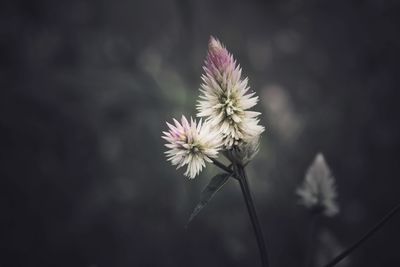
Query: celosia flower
[(245, 151), (318, 191), (191, 144), (225, 97)]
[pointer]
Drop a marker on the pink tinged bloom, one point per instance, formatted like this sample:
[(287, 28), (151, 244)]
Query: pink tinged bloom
[(191, 144), (218, 59), (225, 99)]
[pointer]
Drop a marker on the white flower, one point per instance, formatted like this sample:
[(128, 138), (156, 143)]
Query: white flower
[(191, 144), (318, 191), (225, 97)]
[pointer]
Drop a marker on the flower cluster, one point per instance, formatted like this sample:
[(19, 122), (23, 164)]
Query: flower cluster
[(225, 100)]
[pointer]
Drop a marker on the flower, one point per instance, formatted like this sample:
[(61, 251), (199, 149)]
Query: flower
[(225, 97), (245, 151), (191, 144), (318, 191)]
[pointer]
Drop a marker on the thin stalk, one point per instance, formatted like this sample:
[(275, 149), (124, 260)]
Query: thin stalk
[(311, 240), (253, 215), (379, 225), (223, 167)]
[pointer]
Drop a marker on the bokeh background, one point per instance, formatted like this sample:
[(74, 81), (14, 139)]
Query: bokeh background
[(86, 88)]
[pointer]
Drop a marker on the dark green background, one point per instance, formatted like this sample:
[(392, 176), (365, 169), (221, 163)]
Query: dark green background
[(86, 88)]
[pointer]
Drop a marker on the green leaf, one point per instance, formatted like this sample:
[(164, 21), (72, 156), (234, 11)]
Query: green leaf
[(207, 194)]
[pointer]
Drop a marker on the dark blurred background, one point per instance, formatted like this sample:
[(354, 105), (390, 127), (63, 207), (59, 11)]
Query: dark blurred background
[(86, 88)]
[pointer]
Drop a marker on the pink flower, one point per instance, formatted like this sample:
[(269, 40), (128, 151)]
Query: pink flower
[(191, 144), (225, 98)]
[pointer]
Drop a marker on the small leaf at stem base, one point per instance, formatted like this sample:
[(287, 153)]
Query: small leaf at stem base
[(207, 194)]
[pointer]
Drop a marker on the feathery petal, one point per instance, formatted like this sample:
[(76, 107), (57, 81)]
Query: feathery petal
[(191, 144), (225, 97)]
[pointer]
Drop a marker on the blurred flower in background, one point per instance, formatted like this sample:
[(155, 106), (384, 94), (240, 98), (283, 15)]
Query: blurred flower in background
[(318, 191)]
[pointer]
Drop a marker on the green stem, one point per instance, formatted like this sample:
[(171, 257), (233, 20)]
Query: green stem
[(223, 167), (379, 225), (253, 215)]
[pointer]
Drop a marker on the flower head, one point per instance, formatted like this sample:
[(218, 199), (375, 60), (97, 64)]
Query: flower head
[(225, 97), (244, 152), (191, 144), (318, 191)]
